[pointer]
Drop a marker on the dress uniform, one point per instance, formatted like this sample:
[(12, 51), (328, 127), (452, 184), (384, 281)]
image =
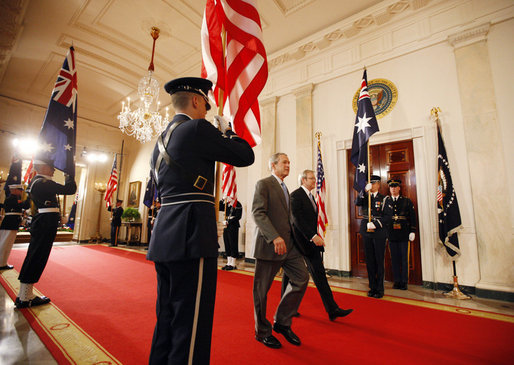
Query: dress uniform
[(43, 193), (13, 209), (401, 230), (184, 243), (374, 240), (116, 222), (231, 233)]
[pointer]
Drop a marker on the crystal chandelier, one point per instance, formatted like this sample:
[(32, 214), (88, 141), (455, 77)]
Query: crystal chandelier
[(145, 122)]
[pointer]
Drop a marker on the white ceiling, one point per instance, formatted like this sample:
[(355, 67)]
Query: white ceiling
[(113, 44)]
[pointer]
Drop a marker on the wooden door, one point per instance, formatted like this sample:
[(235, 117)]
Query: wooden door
[(391, 160)]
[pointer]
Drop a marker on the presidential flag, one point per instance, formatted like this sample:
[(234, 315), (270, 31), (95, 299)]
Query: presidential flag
[(365, 126), (14, 176), (228, 184), (321, 195), (447, 205), (150, 192), (112, 183), (59, 130), (239, 70)]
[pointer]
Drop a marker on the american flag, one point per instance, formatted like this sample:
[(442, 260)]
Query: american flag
[(242, 70), (112, 184), (29, 174), (365, 126), (229, 186), (320, 196), (59, 130)]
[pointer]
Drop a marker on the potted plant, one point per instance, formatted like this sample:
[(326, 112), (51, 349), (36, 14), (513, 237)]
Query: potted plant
[(131, 215)]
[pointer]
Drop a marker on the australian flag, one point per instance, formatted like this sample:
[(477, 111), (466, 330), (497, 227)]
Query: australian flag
[(365, 126), (59, 130), (447, 205)]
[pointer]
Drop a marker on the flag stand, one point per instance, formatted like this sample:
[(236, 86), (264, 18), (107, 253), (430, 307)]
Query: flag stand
[(456, 293)]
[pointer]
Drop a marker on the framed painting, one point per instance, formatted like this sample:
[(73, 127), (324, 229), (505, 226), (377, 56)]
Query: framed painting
[(134, 193)]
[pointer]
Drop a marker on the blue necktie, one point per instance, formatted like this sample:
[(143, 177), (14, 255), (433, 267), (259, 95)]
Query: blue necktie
[(286, 193)]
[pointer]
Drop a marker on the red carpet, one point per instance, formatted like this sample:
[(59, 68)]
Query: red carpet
[(110, 295)]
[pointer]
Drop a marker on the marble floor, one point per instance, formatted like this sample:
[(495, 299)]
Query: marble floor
[(19, 344)]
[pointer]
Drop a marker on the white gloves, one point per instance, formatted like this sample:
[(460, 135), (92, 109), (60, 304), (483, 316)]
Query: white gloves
[(371, 225), (367, 187), (412, 236), (220, 226), (221, 123)]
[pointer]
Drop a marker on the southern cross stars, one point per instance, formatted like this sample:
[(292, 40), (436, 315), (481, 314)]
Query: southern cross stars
[(67, 147), (361, 168), (363, 123), (68, 123)]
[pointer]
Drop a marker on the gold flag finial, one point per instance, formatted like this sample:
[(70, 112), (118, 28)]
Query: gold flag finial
[(435, 111), (317, 135)]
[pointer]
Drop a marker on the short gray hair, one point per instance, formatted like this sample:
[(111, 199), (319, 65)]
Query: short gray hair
[(303, 175), (274, 159)]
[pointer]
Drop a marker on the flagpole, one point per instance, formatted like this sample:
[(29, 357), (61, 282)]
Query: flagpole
[(455, 293), (119, 174), (220, 113)]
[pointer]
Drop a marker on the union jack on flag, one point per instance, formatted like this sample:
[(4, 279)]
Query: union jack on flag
[(320, 195), (229, 186), (112, 184), (238, 71), (59, 130)]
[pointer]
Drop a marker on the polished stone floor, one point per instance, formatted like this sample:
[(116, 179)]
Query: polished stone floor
[(19, 344)]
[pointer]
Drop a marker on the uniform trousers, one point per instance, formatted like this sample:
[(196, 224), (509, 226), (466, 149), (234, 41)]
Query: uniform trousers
[(42, 234), (265, 271), (399, 251), (114, 234), (230, 239), (7, 238), (186, 291), (374, 248), (317, 270)]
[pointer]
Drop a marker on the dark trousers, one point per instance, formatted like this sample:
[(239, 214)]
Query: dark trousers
[(186, 291), (231, 240), (114, 234), (317, 270), (399, 251), (374, 248), (42, 234)]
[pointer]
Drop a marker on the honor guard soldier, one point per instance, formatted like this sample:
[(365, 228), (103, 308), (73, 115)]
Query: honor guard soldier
[(401, 230), (115, 221), (184, 242), (233, 214), (13, 208), (374, 234), (43, 192)]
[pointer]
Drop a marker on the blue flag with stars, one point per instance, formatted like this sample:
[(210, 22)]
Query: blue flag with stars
[(58, 133), (365, 126)]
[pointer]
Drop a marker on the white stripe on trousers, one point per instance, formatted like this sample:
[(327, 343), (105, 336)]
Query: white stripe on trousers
[(197, 309)]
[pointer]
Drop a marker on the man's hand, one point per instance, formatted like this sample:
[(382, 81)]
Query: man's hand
[(221, 123), (280, 246), (412, 236), (367, 187), (318, 241)]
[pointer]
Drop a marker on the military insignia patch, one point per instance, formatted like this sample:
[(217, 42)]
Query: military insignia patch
[(383, 94)]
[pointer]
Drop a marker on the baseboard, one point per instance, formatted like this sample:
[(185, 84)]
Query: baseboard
[(338, 273), (471, 290)]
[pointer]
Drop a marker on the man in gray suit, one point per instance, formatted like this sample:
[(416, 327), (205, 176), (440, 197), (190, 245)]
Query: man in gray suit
[(274, 249)]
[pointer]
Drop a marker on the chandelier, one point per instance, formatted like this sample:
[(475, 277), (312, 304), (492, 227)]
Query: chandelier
[(145, 122)]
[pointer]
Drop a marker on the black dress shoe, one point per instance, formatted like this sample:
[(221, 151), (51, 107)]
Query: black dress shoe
[(230, 267), (6, 267), (339, 313), (297, 314), (31, 303), (287, 333), (270, 341), (378, 295), (371, 293), (403, 286), (397, 285)]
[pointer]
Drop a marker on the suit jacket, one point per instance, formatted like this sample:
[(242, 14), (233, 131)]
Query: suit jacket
[(305, 222), (271, 214), (187, 230)]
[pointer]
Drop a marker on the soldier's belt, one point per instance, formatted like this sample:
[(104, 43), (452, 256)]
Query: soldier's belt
[(14, 213), (187, 198), (399, 217), (372, 217), (48, 210)]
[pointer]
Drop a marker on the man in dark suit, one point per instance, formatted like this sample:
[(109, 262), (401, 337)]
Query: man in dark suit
[(401, 230), (115, 221), (374, 234), (184, 242), (274, 249), (233, 213), (43, 193), (310, 244)]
